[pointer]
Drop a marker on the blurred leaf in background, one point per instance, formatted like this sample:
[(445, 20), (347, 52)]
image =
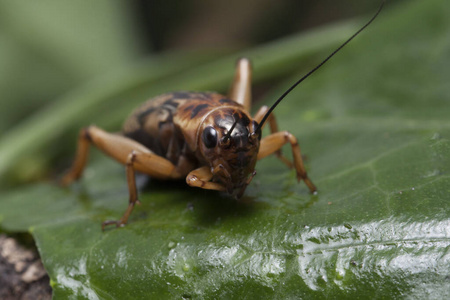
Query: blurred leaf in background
[(49, 47)]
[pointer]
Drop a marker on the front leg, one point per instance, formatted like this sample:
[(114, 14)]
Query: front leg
[(201, 178), (273, 143)]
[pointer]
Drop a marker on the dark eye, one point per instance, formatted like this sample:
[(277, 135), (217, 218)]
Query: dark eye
[(209, 137)]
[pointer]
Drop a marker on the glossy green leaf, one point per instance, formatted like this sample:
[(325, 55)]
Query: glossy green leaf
[(374, 127)]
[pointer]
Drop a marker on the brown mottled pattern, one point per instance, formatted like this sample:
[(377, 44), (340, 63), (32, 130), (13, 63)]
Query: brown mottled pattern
[(171, 120)]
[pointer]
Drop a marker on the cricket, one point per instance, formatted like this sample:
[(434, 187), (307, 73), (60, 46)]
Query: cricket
[(207, 138)]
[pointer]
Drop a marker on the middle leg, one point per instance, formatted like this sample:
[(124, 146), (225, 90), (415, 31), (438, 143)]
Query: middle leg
[(135, 157), (132, 190), (146, 163)]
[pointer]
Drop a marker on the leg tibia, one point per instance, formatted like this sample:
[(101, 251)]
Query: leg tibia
[(133, 195), (274, 142)]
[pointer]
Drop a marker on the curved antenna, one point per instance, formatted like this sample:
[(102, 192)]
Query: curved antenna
[(317, 67)]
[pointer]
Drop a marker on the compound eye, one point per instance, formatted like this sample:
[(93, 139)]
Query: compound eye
[(209, 137)]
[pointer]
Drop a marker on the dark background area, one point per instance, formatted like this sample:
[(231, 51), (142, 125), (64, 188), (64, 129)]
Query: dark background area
[(167, 25)]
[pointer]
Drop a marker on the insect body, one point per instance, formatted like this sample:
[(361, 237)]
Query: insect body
[(192, 130), (208, 139)]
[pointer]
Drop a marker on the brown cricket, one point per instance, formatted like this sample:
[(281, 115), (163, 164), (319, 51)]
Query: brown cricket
[(209, 139)]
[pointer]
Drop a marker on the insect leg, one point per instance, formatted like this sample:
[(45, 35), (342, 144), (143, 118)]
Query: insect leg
[(201, 178), (118, 147), (133, 196), (272, 143), (114, 145), (80, 159), (148, 163), (240, 90), (132, 154), (273, 128)]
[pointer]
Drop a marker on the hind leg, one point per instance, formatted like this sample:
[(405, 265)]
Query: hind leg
[(241, 90)]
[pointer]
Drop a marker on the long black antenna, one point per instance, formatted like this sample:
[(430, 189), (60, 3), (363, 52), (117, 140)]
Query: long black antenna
[(317, 67), (228, 135)]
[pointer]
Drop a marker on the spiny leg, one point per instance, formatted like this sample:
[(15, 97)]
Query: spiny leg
[(272, 143), (273, 128), (240, 90)]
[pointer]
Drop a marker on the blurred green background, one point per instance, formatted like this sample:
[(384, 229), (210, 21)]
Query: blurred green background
[(67, 64)]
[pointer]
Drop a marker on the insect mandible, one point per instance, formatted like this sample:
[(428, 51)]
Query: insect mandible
[(209, 139)]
